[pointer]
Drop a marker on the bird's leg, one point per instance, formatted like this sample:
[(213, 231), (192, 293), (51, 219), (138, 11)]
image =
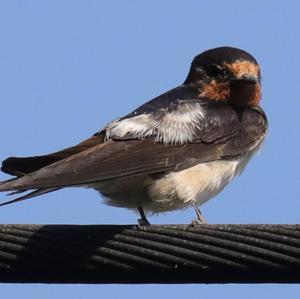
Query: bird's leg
[(143, 221), (200, 218)]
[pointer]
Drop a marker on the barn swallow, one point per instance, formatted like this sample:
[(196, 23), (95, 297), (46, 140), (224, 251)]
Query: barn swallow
[(176, 151)]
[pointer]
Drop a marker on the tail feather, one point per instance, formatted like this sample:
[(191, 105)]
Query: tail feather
[(29, 195), (21, 166), (15, 192)]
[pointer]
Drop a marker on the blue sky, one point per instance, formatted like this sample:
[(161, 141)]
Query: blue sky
[(69, 67)]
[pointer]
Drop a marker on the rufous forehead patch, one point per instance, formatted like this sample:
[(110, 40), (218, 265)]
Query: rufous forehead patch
[(244, 67)]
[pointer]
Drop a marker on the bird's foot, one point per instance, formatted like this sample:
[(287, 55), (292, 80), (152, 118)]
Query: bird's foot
[(198, 221), (200, 218), (143, 221)]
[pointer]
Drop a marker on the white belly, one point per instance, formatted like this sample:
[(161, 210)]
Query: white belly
[(176, 190), (197, 184)]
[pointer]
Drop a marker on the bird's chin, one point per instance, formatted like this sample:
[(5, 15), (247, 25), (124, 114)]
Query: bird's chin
[(245, 93), (249, 81)]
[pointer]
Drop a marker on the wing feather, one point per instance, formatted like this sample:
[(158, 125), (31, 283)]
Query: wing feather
[(22, 166), (114, 159)]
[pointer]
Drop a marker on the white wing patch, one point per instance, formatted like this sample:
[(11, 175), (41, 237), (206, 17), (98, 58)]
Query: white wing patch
[(175, 127), (138, 126)]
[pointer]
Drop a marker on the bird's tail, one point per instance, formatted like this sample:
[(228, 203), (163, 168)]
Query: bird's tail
[(27, 196), (25, 165), (20, 167)]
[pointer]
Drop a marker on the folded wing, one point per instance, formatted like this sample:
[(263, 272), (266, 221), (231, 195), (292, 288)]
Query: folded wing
[(124, 158)]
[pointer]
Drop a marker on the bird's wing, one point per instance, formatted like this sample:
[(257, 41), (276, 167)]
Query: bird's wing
[(123, 158), (21, 166)]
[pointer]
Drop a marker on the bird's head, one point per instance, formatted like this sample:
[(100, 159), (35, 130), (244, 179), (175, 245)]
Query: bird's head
[(226, 74)]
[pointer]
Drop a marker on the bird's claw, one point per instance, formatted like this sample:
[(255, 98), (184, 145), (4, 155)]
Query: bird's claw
[(143, 222)]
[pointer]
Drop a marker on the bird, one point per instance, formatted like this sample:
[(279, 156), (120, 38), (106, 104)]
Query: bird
[(176, 151)]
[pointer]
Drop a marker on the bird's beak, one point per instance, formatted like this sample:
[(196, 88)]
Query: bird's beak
[(245, 78)]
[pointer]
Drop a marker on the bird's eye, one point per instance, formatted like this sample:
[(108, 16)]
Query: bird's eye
[(213, 70), (200, 70)]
